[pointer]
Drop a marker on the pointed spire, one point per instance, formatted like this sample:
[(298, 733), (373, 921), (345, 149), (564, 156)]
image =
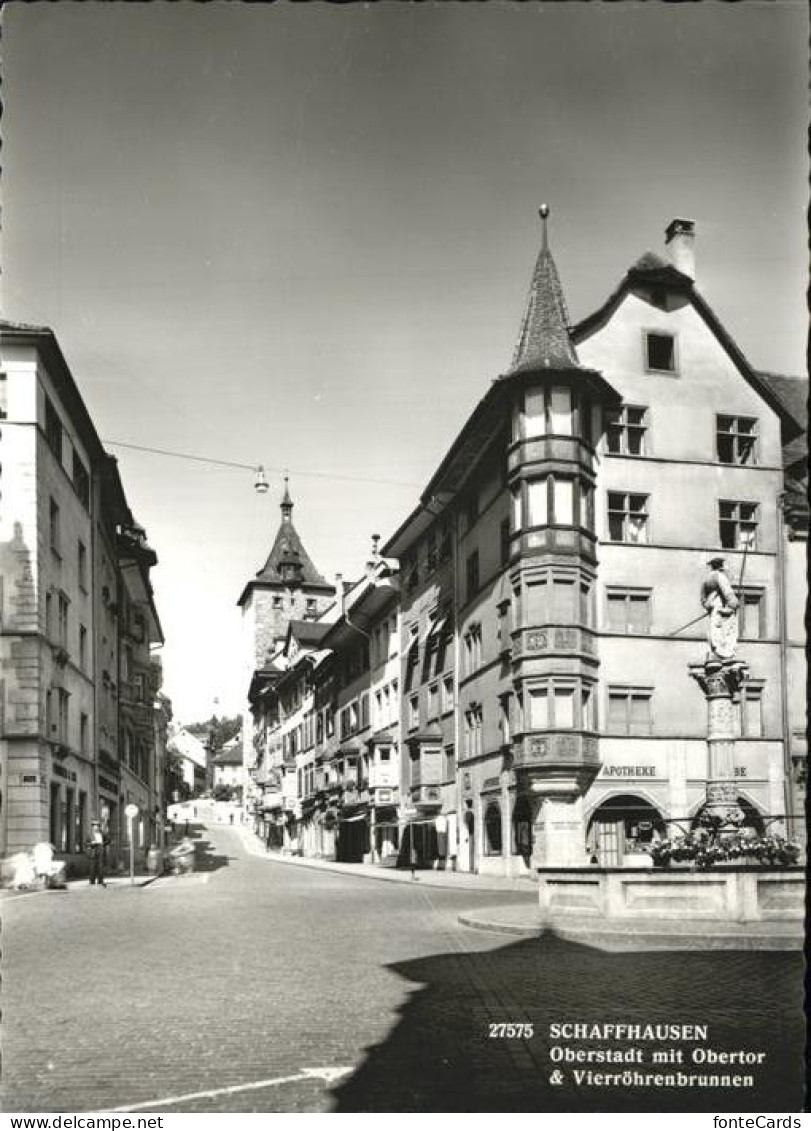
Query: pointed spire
[(543, 341), (287, 502)]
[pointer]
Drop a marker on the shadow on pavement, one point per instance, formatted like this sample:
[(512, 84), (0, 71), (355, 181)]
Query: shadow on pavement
[(205, 859), (440, 1056)]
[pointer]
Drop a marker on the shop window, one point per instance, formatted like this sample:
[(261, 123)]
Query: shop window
[(660, 352), (738, 525), (622, 829), (492, 830), (736, 439), (522, 828)]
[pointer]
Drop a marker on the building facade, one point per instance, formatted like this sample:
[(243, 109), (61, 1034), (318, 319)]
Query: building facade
[(547, 606), (63, 521)]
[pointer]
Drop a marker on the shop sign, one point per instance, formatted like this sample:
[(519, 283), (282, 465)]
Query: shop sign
[(611, 771)]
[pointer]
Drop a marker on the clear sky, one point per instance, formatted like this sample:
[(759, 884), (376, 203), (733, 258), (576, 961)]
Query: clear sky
[(301, 235)]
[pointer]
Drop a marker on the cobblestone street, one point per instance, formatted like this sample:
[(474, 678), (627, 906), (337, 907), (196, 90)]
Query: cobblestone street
[(250, 974)]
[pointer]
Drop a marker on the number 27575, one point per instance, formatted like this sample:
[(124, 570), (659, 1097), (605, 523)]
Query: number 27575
[(511, 1030)]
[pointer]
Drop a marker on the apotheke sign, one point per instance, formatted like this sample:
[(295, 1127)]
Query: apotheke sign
[(610, 771)]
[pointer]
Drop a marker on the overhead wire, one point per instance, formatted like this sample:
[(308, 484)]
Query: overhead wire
[(255, 466)]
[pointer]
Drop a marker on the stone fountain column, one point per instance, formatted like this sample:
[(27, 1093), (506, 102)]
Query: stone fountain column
[(721, 684)]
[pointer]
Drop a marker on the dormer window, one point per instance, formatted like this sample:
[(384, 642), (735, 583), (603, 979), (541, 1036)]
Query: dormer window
[(660, 352)]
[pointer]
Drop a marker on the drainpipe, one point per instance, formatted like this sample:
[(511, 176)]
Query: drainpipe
[(785, 720)]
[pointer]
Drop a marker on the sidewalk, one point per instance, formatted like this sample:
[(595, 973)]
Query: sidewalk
[(456, 881), (631, 934), (111, 883)]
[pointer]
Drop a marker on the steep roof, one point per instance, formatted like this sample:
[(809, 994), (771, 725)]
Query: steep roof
[(651, 270), (287, 546), (543, 339)]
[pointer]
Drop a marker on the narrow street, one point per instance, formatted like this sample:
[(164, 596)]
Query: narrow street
[(258, 986)]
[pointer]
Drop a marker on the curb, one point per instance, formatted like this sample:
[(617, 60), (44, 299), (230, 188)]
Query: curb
[(634, 939), (76, 885), (324, 866)]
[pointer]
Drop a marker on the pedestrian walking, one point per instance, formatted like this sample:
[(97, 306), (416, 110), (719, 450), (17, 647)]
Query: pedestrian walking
[(95, 846)]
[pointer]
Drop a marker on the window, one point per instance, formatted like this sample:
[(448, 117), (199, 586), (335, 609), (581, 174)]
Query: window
[(563, 601), (82, 566), (751, 711), (450, 763), (81, 480), (752, 614), (413, 712), (736, 439), (278, 602), (473, 730), (738, 525), (345, 722), (80, 821), (311, 605), (660, 352), (53, 429), (53, 521), (538, 708), (629, 710), (68, 817), (472, 510), (629, 610), (534, 413), (563, 708), (626, 429), (504, 702), (537, 502), (472, 574), (62, 634), (138, 687), (3, 396), (353, 717), (504, 536), (364, 711), (54, 813), (49, 623), (82, 647), (473, 648), (563, 501), (627, 518), (433, 701), (560, 411), (447, 693), (63, 698), (492, 830), (83, 734), (587, 709)]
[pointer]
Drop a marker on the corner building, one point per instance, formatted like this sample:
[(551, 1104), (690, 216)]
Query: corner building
[(562, 543)]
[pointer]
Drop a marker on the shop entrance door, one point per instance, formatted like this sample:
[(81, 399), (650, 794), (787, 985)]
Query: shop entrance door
[(470, 825), (609, 841)]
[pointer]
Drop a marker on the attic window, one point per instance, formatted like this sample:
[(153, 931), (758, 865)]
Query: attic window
[(660, 352)]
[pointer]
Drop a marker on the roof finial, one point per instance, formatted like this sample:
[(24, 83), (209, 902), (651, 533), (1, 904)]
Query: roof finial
[(287, 502), (543, 212)]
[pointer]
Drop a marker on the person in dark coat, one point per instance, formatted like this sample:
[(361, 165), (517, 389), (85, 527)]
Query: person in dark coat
[(96, 844)]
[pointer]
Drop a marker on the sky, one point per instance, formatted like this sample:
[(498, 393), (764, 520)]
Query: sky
[(301, 235)]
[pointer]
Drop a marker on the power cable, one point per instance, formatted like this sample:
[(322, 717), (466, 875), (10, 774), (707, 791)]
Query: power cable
[(256, 466)]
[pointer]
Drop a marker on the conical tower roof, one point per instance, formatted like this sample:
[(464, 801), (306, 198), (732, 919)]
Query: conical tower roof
[(287, 546), (543, 340)]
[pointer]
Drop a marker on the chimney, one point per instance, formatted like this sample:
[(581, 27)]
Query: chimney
[(375, 556), (341, 592), (680, 241)]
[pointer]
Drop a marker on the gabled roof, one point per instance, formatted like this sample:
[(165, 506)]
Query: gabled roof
[(308, 632), (651, 270)]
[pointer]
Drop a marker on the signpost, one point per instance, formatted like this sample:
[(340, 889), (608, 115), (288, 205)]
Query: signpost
[(131, 812)]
